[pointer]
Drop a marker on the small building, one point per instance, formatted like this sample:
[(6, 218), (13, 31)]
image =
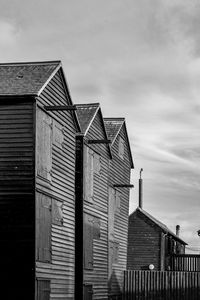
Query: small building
[(118, 203), (93, 155), (37, 174), (150, 243)]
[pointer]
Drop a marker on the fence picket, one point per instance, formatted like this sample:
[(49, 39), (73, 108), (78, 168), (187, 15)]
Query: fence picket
[(165, 285)]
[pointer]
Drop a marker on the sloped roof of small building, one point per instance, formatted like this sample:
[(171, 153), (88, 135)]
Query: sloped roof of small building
[(161, 225), (26, 78), (113, 127)]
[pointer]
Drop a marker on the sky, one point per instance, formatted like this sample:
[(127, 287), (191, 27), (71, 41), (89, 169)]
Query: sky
[(140, 60)]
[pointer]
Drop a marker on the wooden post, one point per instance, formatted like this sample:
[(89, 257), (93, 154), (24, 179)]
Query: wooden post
[(79, 218)]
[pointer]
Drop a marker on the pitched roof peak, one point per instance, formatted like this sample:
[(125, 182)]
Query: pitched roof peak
[(86, 114), (26, 78), (161, 225)]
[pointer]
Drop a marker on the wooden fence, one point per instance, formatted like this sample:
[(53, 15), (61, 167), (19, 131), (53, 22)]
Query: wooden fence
[(161, 285), (185, 262)]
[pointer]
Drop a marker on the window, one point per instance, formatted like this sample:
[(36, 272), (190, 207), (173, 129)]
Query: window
[(92, 167), (44, 144), (121, 148), (48, 212), (91, 232)]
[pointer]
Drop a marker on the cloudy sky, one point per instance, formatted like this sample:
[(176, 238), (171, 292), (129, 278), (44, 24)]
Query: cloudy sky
[(140, 60)]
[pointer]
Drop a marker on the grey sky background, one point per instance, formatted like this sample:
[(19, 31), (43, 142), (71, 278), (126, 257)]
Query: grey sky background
[(141, 61)]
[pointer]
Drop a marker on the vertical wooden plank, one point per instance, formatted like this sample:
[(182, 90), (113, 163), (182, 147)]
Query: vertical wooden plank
[(88, 174), (44, 144), (43, 210), (97, 163), (111, 209), (58, 134), (88, 242), (57, 212), (96, 228), (162, 251), (43, 289)]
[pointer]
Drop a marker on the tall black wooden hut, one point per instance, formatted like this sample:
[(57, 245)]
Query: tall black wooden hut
[(118, 203), (37, 174), (150, 242), (92, 169)]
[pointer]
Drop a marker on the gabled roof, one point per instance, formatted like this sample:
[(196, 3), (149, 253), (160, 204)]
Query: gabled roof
[(86, 114), (162, 226), (113, 127), (30, 79), (26, 78)]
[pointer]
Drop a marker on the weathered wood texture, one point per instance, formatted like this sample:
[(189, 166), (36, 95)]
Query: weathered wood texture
[(119, 173), (185, 262), (152, 285), (96, 211), (56, 181), (143, 243), (17, 218)]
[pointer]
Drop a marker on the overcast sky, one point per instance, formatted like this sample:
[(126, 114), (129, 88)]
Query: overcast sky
[(141, 61)]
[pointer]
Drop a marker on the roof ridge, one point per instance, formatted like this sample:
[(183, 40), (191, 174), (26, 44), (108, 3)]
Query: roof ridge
[(114, 119), (31, 63), (97, 104)]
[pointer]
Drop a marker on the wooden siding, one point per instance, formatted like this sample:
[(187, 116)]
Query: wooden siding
[(143, 243), (151, 285), (17, 198), (59, 185), (97, 276), (119, 173)]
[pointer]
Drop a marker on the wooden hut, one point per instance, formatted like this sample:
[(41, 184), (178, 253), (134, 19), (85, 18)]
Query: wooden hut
[(118, 203), (93, 156), (37, 209), (150, 242)]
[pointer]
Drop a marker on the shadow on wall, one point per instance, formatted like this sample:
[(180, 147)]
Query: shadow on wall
[(114, 287)]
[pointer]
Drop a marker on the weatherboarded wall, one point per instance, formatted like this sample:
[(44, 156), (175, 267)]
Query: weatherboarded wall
[(17, 198), (143, 243), (55, 149), (96, 161), (119, 173)]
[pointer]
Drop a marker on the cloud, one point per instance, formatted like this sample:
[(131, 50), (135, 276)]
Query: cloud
[(140, 60), (9, 33)]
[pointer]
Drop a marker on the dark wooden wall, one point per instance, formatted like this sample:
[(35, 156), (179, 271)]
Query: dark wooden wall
[(17, 214), (143, 243), (96, 217), (119, 173), (57, 185)]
